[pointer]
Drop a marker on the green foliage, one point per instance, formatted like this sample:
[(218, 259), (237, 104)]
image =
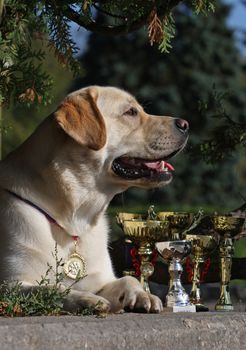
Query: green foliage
[(22, 76), (17, 60), (44, 299), (60, 39), (203, 6), (168, 34), (19, 120), (226, 136), (199, 6)]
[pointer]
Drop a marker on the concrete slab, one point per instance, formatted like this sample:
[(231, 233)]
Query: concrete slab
[(166, 331)]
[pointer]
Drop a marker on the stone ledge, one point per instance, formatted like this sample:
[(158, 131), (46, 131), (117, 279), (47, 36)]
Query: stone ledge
[(166, 331)]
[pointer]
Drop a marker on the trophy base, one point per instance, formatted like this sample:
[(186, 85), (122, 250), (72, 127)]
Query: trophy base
[(201, 308), (221, 307), (175, 308), (177, 298)]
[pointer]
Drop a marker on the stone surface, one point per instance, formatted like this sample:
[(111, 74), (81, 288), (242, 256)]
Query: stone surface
[(220, 331)]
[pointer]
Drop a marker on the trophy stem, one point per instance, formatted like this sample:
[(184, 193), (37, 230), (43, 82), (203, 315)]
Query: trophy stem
[(226, 251), (176, 294), (146, 269), (195, 294)]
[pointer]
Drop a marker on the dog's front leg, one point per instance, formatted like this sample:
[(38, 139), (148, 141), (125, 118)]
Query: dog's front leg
[(127, 293)]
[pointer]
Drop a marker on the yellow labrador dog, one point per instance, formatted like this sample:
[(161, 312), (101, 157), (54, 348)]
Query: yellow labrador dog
[(57, 185)]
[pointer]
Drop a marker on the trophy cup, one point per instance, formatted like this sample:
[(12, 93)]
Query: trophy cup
[(173, 252), (202, 246), (178, 223), (121, 217), (144, 230), (227, 227)]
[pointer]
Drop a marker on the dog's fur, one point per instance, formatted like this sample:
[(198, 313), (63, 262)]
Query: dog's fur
[(64, 167)]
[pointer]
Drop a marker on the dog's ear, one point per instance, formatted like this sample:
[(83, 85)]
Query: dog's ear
[(81, 119)]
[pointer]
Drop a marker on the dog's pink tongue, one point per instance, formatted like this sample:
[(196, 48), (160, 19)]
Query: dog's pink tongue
[(160, 165)]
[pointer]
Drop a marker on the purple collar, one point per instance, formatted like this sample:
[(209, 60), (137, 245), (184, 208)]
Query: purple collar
[(49, 218)]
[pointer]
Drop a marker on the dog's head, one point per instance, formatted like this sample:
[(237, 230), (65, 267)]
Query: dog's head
[(133, 146)]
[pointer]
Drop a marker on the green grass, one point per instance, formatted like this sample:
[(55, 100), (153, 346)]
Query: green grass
[(45, 298)]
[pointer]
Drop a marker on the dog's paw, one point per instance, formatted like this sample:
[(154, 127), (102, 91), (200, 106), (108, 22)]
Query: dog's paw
[(127, 294), (102, 306), (78, 301), (141, 301), (134, 298)]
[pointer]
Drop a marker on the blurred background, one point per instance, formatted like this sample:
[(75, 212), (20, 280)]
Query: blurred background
[(202, 79)]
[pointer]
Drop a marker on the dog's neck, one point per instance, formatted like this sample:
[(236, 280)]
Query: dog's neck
[(65, 182)]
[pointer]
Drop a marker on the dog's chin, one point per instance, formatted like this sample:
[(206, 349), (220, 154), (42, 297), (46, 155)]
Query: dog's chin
[(146, 173)]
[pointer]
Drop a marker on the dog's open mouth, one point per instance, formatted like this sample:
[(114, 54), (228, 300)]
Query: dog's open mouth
[(137, 168)]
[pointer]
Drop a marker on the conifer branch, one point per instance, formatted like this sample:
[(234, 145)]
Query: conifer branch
[(92, 25)]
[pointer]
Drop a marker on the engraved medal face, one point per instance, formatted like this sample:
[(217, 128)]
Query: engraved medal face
[(75, 267)]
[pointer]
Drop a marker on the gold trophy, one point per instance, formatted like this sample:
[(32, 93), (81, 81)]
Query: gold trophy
[(227, 227), (202, 246), (144, 230), (173, 251), (121, 217), (178, 223)]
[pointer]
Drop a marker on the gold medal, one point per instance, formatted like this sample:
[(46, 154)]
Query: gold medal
[(75, 266)]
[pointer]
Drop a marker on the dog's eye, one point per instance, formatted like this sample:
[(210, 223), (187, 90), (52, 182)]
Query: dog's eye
[(132, 112)]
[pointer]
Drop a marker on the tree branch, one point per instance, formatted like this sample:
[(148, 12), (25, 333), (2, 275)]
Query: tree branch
[(93, 26), (108, 13)]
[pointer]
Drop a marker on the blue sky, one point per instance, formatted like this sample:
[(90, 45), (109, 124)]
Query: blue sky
[(237, 19)]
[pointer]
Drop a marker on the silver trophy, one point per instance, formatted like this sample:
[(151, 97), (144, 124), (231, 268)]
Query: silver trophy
[(173, 252)]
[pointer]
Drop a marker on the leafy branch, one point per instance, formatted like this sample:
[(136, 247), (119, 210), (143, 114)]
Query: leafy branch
[(24, 23), (226, 136)]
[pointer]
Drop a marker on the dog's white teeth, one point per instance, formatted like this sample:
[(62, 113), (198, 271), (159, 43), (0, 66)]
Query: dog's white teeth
[(162, 166)]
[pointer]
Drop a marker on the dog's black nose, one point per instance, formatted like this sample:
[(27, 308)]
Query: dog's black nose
[(182, 125)]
